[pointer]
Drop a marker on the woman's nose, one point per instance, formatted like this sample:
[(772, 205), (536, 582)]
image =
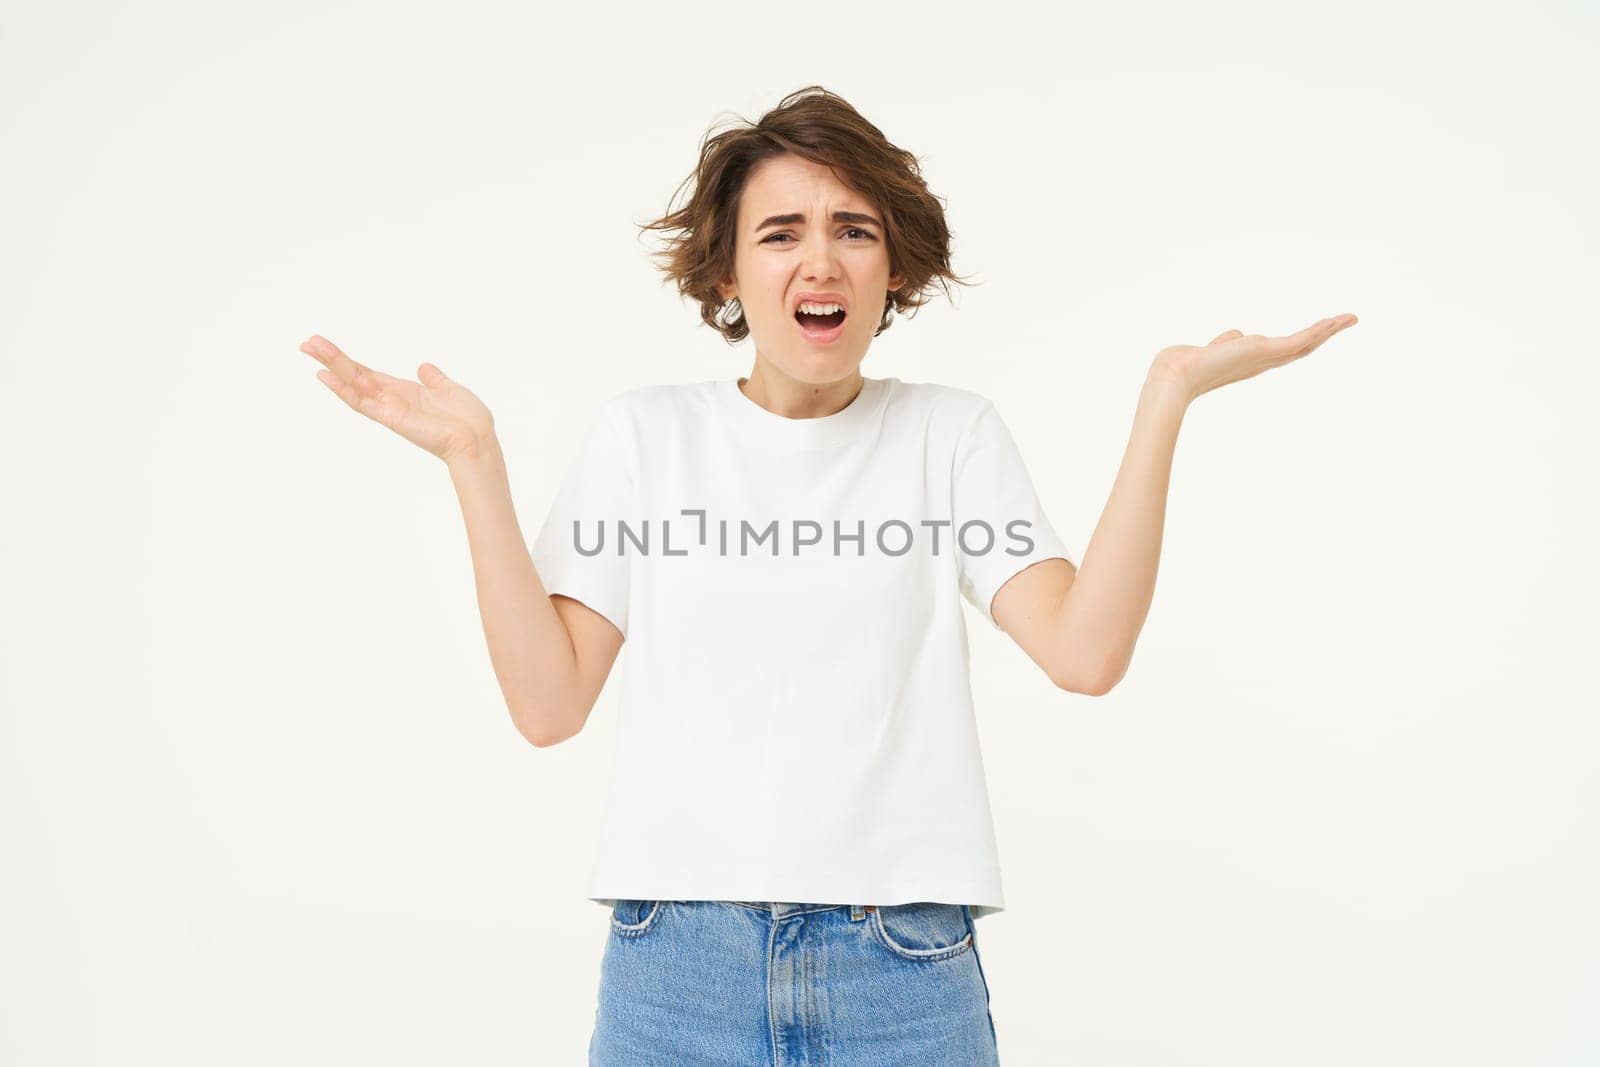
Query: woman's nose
[(820, 258)]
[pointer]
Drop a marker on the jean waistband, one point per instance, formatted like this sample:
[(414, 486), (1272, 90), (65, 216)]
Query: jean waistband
[(783, 909)]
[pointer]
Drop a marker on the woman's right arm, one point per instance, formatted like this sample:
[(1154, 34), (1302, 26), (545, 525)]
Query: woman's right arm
[(551, 654)]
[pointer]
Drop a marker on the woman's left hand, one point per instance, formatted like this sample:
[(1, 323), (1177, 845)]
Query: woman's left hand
[(1233, 356)]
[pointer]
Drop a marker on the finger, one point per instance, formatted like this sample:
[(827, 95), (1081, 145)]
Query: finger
[(335, 386), (1306, 341), (339, 388), (380, 408), (1226, 336), (366, 381), (322, 350), (1311, 335), (432, 376), (331, 356), (1329, 326)]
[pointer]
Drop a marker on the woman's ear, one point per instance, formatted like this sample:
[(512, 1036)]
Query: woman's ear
[(896, 281), (727, 290)]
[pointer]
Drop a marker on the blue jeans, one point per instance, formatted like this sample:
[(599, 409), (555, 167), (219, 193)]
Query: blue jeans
[(692, 982)]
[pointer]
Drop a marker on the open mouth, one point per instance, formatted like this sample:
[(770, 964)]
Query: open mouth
[(821, 329), (819, 322)]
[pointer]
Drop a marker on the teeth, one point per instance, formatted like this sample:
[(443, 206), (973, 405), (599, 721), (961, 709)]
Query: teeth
[(820, 309)]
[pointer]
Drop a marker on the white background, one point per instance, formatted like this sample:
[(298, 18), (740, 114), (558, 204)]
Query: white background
[(262, 802)]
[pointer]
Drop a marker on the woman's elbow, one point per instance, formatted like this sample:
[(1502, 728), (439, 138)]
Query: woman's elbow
[(544, 730), (1095, 681), (1081, 686)]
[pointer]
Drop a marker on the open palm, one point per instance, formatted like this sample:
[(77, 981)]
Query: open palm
[(435, 413), (1233, 356)]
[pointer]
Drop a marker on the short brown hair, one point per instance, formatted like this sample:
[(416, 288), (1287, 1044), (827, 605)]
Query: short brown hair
[(822, 127)]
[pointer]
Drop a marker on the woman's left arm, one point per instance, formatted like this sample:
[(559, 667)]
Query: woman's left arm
[(1080, 624)]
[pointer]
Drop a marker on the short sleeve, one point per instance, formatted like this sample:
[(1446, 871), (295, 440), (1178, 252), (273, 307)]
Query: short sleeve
[(999, 526), (597, 492)]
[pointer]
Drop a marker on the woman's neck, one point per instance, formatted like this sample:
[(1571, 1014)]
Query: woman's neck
[(795, 399)]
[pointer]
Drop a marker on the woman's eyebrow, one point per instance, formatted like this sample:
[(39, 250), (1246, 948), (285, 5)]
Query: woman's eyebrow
[(838, 216)]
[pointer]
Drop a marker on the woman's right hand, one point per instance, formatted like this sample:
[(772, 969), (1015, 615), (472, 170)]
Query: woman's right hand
[(437, 414)]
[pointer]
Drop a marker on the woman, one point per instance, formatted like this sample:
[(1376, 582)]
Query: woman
[(798, 842)]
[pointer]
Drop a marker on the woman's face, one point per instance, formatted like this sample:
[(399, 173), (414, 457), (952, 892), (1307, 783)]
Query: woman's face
[(801, 231)]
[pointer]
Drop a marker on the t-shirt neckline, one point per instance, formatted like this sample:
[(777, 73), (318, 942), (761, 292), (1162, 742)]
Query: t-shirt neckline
[(771, 430)]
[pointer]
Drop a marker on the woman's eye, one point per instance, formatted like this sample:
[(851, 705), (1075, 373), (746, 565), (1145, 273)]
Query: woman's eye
[(867, 234)]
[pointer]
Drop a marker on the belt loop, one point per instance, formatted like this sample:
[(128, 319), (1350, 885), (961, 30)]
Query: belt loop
[(856, 913)]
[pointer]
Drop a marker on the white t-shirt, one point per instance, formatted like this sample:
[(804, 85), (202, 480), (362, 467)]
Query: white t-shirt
[(796, 718)]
